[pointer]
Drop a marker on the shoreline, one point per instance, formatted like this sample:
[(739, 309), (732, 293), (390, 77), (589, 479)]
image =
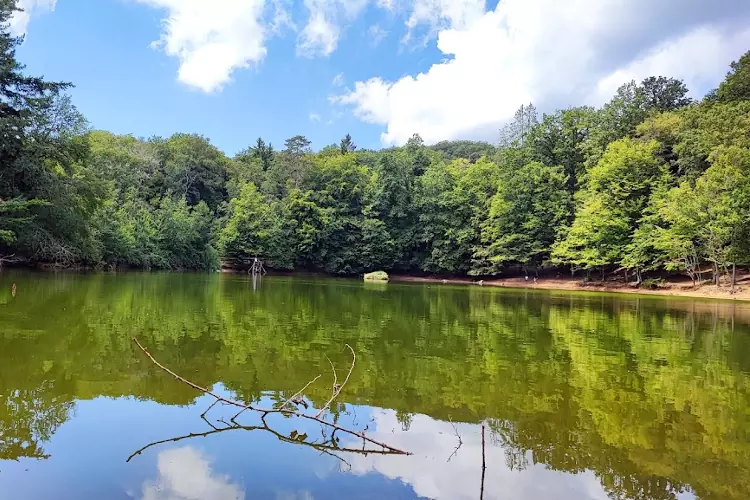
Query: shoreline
[(683, 288)]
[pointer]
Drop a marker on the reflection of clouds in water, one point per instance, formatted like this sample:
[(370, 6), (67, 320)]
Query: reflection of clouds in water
[(186, 475), (429, 473)]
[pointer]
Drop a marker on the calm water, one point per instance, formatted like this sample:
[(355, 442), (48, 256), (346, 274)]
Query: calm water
[(584, 396)]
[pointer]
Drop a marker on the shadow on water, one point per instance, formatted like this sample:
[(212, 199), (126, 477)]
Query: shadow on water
[(584, 395)]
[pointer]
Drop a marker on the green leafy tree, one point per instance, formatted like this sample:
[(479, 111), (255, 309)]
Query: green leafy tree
[(617, 192), (664, 94), (254, 229), (453, 202), (559, 139), (526, 214), (712, 217), (469, 150), (736, 86), (195, 170)]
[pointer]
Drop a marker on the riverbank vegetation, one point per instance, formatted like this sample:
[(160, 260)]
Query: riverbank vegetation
[(650, 181)]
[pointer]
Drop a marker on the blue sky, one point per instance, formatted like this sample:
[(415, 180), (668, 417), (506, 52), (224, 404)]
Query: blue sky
[(234, 70)]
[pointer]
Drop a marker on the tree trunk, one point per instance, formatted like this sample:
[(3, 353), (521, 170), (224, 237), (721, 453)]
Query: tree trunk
[(734, 275), (717, 275)]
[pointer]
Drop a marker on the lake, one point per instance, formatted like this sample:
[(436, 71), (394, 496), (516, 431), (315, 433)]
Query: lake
[(583, 396)]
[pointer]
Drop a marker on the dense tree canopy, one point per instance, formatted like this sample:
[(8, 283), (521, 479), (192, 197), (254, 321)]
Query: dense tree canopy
[(652, 180)]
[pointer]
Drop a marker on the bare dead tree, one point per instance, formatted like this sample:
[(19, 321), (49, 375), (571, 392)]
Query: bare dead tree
[(257, 268), (9, 259), (284, 409)]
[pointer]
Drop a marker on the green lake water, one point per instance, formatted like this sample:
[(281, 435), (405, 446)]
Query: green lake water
[(584, 396)]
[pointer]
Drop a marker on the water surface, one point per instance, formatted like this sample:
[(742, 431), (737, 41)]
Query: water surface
[(583, 395)]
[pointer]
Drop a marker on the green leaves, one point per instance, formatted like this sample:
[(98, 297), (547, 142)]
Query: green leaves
[(617, 192), (529, 209)]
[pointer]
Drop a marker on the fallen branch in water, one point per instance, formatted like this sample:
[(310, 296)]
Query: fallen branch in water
[(460, 441), (283, 409), (336, 387), (329, 447)]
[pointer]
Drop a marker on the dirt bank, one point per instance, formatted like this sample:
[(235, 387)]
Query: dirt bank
[(674, 287)]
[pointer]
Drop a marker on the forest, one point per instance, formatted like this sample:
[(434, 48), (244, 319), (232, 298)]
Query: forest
[(651, 181)]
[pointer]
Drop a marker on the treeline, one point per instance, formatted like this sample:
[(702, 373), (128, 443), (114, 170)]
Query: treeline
[(650, 181)]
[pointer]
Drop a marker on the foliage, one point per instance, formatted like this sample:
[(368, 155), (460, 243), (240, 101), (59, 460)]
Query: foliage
[(528, 211), (471, 150), (617, 192), (453, 202), (736, 86), (649, 181)]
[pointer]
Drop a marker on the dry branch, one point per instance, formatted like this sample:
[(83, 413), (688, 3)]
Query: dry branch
[(338, 388), (265, 411), (460, 441), (328, 447), (295, 395)]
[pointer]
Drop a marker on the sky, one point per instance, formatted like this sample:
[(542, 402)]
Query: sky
[(380, 70)]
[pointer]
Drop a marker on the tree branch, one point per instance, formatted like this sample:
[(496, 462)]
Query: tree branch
[(265, 411), (338, 388)]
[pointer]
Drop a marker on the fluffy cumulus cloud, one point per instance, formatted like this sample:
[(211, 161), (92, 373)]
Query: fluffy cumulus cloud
[(436, 13), (212, 39), (551, 53), (185, 474), (20, 19)]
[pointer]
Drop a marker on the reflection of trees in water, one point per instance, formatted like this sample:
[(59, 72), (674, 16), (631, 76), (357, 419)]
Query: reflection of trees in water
[(29, 418), (651, 394)]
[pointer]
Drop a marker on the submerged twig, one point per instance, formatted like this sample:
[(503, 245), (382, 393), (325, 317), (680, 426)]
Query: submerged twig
[(283, 410), (460, 441), (338, 388), (296, 394)]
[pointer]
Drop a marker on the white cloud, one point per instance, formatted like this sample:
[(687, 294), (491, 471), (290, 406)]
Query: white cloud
[(431, 475), (184, 474), (19, 22), (320, 36), (338, 80), (376, 34), (281, 17), (446, 13), (386, 4), (551, 53), (315, 117), (212, 39), (701, 58)]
